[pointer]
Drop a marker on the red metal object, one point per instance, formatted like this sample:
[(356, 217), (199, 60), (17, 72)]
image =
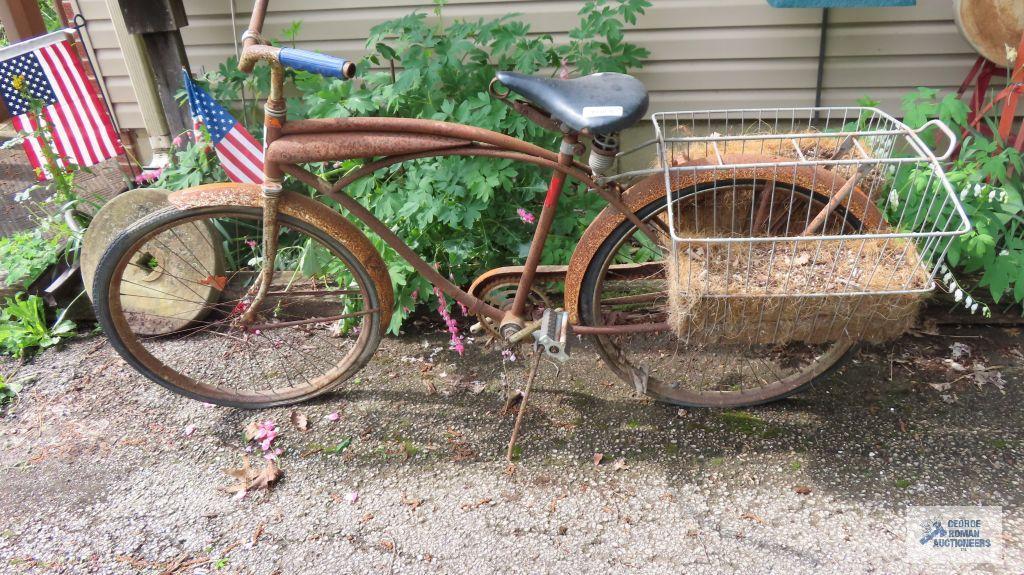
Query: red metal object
[(1009, 98), (554, 190)]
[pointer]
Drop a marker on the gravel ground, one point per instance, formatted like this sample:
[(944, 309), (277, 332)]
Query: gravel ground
[(98, 473)]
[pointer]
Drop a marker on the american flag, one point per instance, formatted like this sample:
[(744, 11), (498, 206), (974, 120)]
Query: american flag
[(81, 130), (240, 154)]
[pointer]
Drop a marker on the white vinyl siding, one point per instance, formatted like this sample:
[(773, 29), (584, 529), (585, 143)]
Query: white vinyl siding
[(704, 53)]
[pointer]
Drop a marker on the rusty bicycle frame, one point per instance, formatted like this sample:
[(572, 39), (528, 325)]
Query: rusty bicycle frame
[(396, 140)]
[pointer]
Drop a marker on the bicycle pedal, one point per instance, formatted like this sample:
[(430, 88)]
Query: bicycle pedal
[(553, 335)]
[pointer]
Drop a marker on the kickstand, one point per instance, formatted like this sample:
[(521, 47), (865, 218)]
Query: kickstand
[(522, 403)]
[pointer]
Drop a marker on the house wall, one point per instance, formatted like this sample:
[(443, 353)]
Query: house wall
[(704, 53)]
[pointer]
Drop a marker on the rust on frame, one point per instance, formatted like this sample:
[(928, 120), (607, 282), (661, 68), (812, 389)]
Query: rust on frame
[(411, 126), (303, 148)]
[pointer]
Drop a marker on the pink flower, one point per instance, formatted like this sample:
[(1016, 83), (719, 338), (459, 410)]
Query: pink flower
[(266, 432), (178, 141), (449, 321), (148, 176), (251, 243), (351, 497), (526, 216), (563, 70), (189, 430), (508, 355), (334, 416)]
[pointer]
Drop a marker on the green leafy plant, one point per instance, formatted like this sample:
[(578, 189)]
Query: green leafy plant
[(24, 256), (461, 213), (8, 390), (987, 176), (23, 326), (192, 164)]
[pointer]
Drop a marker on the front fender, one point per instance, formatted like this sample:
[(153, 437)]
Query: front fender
[(308, 210)]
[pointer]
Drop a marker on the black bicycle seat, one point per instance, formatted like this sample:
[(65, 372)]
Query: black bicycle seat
[(601, 103)]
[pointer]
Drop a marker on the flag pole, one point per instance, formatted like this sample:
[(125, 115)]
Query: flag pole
[(78, 22)]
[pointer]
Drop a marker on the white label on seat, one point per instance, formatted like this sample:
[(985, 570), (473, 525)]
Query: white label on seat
[(602, 111)]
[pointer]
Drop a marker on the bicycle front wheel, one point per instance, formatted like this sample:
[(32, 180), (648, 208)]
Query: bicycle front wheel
[(169, 290)]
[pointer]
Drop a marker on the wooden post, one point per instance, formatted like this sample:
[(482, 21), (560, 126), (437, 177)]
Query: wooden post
[(158, 22), (21, 20)]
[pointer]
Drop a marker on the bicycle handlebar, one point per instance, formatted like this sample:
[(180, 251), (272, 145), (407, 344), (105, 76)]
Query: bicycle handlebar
[(304, 60), (317, 63), (255, 49)]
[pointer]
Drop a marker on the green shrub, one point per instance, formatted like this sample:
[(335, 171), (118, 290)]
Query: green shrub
[(8, 390), (23, 326), (458, 212), (990, 257), (24, 256)]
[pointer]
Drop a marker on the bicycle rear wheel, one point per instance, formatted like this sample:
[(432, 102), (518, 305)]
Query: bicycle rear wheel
[(681, 372), (169, 290)]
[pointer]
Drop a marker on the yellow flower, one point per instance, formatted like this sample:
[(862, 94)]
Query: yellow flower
[(18, 82)]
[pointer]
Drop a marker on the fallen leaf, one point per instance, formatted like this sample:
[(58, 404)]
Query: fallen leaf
[(988, 376), (954, 365), (903, 426), (267, 477), (959, 351), (941, 386), (250, 478), (754, 516), (387, 545), (256, 534), (802, 490), (412, 502), (189, 430), (619, 464), (474, 505), (219, 282), (299, 420), (597, 458), (251, 430)]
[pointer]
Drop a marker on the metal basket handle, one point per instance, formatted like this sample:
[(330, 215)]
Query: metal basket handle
[(945, 130)]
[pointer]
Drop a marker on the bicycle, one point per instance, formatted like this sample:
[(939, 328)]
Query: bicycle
[(265, 297)]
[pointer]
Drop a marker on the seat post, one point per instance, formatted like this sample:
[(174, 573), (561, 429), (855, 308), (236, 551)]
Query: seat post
[(566, 153)]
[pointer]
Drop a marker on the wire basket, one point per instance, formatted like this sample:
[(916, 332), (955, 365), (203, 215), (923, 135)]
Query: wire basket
[(789, 228)]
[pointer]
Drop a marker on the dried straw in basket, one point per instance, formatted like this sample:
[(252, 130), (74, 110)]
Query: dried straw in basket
[(772, 291)]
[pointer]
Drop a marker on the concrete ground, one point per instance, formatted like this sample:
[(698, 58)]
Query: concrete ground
[(102, 471)]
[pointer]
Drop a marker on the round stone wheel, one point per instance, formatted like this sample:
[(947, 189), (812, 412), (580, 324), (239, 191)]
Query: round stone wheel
[(991, 26), (174, 279)]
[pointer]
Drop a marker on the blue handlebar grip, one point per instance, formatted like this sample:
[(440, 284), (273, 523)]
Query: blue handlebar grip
[(317, 63)]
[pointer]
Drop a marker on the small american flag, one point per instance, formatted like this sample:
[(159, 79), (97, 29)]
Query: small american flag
[(81, 130), (240, 154)]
